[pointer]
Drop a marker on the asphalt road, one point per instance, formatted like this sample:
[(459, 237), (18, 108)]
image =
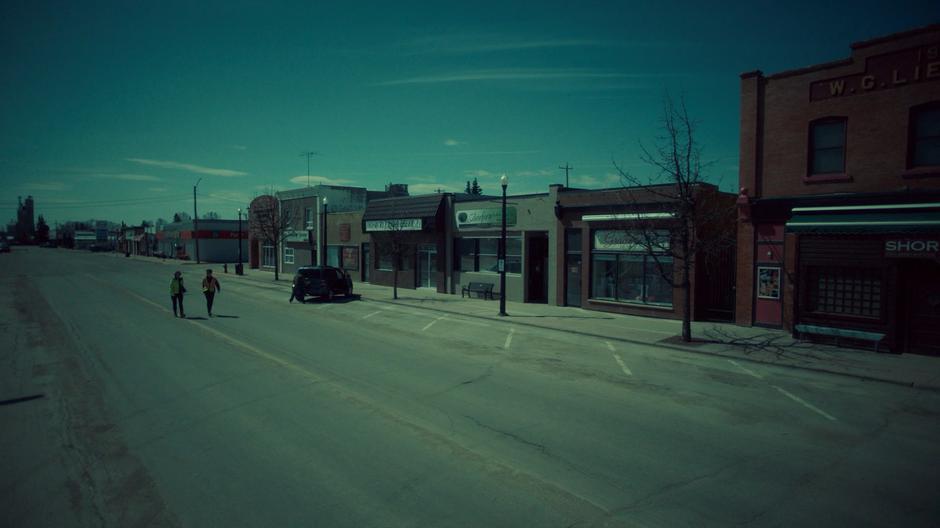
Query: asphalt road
[(360, 413)]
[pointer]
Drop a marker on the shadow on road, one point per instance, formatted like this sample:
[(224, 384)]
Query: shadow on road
[(336, 300)]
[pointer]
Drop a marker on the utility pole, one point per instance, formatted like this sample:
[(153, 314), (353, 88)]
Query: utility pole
[(309, 154), (196, 221), (566, 168)]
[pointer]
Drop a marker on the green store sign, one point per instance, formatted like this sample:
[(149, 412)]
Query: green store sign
[(479, 218)]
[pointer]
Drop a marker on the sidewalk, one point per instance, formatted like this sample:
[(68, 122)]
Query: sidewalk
[(739, 343)]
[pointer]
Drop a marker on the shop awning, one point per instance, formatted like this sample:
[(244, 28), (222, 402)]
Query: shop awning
[(864, 219), (406, 213)]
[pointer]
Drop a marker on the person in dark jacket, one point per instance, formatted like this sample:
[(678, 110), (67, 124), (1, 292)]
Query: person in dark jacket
[(176, 293), (297, 291)]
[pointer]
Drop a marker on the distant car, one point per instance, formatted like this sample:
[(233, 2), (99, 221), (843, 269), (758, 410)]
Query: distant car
[(160, 254), (48, 244), (98, 247), (4, 247), (324, 284)]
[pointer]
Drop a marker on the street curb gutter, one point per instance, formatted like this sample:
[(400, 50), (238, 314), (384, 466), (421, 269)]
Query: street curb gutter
[(908, 384)]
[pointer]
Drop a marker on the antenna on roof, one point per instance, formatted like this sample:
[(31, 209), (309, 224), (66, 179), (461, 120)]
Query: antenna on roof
[(566, 168), (309, 154)]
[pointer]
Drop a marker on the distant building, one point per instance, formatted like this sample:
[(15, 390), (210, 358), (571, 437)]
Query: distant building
[(25, 229), (839, 208), (218, 240)]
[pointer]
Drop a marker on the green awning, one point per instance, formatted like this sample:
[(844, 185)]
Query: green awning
[(902, 218)]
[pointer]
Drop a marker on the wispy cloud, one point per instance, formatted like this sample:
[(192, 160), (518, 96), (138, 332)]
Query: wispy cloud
[(128, 177), (476, 153), (157, 189), (302, 180), (453, 142), (490, 43), (515, 74), (478, 173), (189, 167), (239, 147), (45, 186)]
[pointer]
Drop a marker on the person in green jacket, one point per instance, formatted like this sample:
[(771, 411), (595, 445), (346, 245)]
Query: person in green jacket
[(176, 293)]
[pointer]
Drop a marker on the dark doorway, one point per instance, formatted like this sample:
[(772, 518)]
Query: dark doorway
[(718, 286), (536, 263), (919, 307), (572, 267), (365, 262)]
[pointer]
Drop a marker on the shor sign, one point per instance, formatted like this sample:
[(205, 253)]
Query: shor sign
[(917, 248)]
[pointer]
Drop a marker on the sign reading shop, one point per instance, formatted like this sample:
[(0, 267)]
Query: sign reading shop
[(912, 248)]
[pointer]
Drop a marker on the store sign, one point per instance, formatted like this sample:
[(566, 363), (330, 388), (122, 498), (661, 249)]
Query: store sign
[(632, 241), (481, 218), (912, 248), (398, 224), (890, 70), (292, 235), (351, 258)]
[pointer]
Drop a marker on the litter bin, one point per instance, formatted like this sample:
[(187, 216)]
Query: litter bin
[(239, 270)]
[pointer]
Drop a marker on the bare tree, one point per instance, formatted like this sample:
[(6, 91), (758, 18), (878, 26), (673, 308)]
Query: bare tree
[(676, 216), (397, 242), (273, 222)]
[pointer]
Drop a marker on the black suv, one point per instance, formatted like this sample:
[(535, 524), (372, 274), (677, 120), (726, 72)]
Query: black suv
[(323, 282)]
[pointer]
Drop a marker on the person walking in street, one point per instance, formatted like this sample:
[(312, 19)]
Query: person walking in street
[(210, 286), (297, 291), (176, 293)]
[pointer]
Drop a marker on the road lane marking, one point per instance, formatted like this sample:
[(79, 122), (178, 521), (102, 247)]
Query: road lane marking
[(371, 314), (623, 367), (806, 404), (509, 338), (610, 346), (432, 323), (745, 369)]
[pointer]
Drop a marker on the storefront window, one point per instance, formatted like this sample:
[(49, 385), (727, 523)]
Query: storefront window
[(386, 262), (621, 273), (332, 255), (268, 256), (845, 291), (482, 254)]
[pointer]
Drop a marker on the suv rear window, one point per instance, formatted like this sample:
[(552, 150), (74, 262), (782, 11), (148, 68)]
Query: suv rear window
[(310, 273)]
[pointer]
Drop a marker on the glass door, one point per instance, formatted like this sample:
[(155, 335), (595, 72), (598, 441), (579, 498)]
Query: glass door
[(427, 266)]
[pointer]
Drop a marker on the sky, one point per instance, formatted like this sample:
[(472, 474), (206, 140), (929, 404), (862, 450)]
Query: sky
[(114, 111)]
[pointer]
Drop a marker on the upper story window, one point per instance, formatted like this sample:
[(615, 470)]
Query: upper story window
[(827, 146), (925, 135), (308, 218)]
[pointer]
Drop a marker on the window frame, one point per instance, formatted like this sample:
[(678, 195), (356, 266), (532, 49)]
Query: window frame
[(912, 139), (288, 255), (268, 254), (475, 254), (650, 274), (811, 151)]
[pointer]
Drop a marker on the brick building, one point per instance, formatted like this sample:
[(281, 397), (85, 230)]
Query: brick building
[(839, 211)]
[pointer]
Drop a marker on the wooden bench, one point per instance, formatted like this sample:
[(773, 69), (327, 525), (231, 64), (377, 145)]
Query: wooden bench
[(861, 335), (482, 289)]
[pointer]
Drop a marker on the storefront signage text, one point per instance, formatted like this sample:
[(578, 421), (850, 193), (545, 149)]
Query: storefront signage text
[(891, 70), (491, 217), (907, 248), (632, 241), (398, 224)]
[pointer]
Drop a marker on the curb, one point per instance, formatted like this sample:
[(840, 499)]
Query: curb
[(864, 377)]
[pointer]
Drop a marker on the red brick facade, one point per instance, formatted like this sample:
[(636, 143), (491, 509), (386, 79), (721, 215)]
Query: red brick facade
[(873, 94)]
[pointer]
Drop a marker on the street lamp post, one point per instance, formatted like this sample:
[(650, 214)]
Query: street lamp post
[(238, 267), (324, 255), (196, 221), (503, 181)]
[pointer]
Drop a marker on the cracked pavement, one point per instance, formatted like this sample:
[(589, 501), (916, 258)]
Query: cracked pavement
[(361, 414)]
